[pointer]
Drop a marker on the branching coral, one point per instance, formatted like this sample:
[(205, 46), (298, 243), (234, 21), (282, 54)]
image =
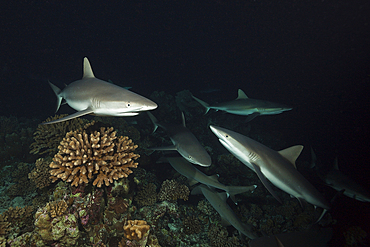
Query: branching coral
[(18, 217), (57, 208), (191, 225), (135, 229), (4, 225), (171, 190), (40, 174), (48, 137), (147, 196), (85, 152)]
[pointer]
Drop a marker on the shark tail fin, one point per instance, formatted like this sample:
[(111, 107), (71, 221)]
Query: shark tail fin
[(206, 105), (57, 93), (234, 190), (154, 120)]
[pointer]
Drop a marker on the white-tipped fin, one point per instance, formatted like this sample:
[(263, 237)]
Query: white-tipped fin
[(88, 73)]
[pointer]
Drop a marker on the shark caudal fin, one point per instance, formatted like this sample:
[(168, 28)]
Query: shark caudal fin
[(154, 121), (234, 190), (57, 93), (206, 105)]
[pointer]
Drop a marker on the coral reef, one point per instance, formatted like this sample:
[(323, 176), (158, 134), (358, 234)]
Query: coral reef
[(147, 196), (40, 174), (191, 225), (136, 229), (57, 208), (218, 236), (171, 190), (84, 153), (48, 137)]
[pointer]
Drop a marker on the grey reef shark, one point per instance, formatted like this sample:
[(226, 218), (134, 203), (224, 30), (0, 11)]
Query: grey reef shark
[(183, 141), (195, 176), (91, 95), (269, 165), (245, 106), (340, 182), (228, 217)]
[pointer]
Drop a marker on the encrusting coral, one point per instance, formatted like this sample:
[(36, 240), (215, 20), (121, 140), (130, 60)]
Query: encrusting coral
[(171, 190), (86, 152), (48, 137), (135, 229)]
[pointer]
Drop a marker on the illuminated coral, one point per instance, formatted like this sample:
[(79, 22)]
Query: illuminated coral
[(47, 137), (57, 208), (147, 196), (135, 229), (87, 152), (40, 174), (171, 190)]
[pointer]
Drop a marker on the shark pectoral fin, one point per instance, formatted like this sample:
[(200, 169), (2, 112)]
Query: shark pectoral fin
[(69, 117), (266, 183), (169, 148), (197, 190), (302, 202), (252, 116), (192, 182), (224, 222), (291, 153)]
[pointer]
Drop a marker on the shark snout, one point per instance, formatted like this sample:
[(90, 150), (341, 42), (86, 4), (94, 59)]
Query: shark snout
[(149, 105)]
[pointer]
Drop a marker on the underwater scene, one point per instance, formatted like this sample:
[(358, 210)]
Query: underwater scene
[(184, 123)]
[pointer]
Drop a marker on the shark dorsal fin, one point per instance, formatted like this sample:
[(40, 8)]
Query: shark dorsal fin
[(291, 153), (88, 73), (241, 95), (183, 119)]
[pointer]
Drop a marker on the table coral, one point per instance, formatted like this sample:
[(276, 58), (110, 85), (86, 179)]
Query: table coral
[(86, 152), (135, 229)]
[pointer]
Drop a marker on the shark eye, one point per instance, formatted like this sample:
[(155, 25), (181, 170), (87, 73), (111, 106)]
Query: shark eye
[(128, 104), (226, 136), (190, 157)]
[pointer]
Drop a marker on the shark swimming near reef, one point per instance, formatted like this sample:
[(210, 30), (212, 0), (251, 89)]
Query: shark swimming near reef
[(244, 106), (195, 176), (94, 96), (269, 165), (183, 141), (341, 182), (228, 217)]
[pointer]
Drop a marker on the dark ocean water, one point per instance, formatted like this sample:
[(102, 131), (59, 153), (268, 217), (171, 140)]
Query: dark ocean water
[(312, 55)]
